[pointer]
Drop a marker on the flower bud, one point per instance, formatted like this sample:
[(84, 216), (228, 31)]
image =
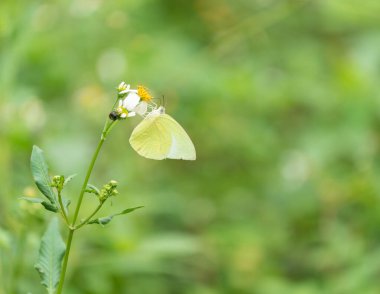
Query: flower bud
[(113, 183), (108, 190), (122, 87), (58, 182)]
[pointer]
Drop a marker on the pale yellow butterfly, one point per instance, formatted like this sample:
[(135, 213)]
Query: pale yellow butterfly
[(159, 136)]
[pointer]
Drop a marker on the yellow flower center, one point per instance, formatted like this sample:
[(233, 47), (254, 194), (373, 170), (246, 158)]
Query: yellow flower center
[(144, 93)]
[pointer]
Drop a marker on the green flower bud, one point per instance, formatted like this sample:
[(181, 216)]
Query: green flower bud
[(58, 182), (108, 190), (113, 183)]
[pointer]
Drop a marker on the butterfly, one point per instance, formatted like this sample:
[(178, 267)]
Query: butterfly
[(159, 136)]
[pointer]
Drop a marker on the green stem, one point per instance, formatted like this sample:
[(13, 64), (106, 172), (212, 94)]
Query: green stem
[(65, 260), (63, 212), (89, 171), (88, 218), (107, 127)]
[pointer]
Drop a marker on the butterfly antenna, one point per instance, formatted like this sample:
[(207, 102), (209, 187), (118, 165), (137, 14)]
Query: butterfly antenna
[(153, 106)]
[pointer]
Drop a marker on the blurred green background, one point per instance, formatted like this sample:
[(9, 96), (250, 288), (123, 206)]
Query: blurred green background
[(281, 99)]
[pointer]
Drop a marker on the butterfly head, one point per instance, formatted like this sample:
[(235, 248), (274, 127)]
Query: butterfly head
[(157, 111)]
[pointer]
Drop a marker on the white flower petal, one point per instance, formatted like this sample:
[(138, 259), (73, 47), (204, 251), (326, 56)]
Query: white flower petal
[(128, 90), (131, 114), (123, 115), (123, 88), (131, 101), (141, 108), (121, 85), (120, 103)]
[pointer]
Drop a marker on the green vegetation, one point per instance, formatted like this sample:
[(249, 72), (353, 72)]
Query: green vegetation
[(281, 100)]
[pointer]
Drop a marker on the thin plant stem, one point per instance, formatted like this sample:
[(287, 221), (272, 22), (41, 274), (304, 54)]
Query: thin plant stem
[(65, 260), (63, 212), (76, 213), (88, 218), (107, 127)]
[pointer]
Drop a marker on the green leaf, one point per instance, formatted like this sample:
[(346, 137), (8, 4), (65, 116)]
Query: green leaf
[(68, 179), (92, 189), (32, 199), (40, 174), (47, 205), (52, 251), (105, 220)]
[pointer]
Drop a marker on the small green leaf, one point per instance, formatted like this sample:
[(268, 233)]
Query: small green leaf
[(32, 199), (128, 210), (40, 174), (68, 179), (92, 189), (47, 205), (51, 253), (101, 221), (66, 202), (105, 220)]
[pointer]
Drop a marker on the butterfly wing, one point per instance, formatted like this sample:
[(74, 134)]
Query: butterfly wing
[(150, 140), (181, 146), (159, 137)]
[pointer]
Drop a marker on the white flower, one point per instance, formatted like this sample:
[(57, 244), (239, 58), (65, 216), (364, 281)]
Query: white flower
[(136, 101), (131, 101), (124, 111)]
